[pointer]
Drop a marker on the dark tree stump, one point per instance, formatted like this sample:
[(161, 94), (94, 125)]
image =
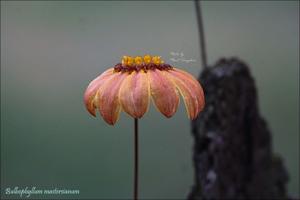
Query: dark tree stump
[(233, 151)]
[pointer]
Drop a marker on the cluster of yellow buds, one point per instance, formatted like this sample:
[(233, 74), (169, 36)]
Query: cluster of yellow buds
[(138, 60)]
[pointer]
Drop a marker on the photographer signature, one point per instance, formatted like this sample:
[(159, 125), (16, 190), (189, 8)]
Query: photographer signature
[(179, 56)]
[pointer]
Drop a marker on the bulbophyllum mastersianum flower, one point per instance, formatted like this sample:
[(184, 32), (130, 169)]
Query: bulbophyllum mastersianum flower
[(129, 85)]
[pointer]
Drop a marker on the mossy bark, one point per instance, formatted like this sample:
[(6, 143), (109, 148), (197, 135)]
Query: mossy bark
[(233, 156)]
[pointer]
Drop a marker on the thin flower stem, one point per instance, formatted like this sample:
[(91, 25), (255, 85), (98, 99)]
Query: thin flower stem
[(201, 33), (136, 159)]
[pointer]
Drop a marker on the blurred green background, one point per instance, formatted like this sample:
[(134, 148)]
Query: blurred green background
[(50, 51)]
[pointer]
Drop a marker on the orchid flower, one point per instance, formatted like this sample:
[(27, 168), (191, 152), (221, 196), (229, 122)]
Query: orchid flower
[(130, 85)]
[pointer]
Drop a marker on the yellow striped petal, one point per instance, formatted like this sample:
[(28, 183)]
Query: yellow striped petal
[(135, 94), (193, 85), (108, 98), (92, 89), (190, 90), (163, 93)]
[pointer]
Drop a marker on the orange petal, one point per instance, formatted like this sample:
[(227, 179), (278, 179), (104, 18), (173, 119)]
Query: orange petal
[(192, 83), (190, 90), (108, 98), (163, 93), (186, 75), (92, 88), (135, 94)]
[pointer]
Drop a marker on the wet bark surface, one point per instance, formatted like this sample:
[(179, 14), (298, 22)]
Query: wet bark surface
[(233, 156)]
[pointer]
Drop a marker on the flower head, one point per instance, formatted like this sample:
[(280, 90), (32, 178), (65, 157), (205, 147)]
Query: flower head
[(129, 85)]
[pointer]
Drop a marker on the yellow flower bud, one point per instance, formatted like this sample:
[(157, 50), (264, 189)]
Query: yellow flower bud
[(156, 60), (130, 61), (124, 60), (147, 59), (138, 60)]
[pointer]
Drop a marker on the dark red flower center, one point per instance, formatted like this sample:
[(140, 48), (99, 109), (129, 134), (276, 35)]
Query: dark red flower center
[(149, 66)]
